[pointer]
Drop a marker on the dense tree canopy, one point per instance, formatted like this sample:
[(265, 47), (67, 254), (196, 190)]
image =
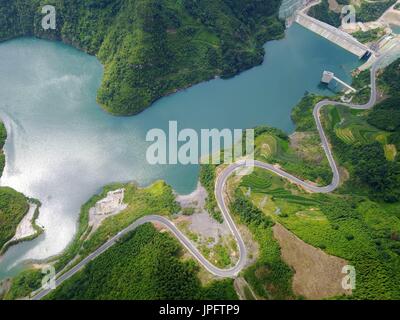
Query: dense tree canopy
[(13, 207), (144, 265), (151, 48)]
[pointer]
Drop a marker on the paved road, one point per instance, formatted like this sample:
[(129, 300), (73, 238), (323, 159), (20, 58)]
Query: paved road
[(219, 194), (226, 273)]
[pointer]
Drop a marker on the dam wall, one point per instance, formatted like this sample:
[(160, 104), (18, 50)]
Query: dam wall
[(333, 34)]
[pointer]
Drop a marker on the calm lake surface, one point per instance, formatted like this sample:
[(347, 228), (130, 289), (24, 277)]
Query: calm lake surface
[(62, 148), (395, 28)]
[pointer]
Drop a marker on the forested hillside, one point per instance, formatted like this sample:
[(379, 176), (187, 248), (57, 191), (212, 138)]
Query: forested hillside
[(365, 11), (322, 12), (151, 48), (13, 205), (368, 142), (145, 265)]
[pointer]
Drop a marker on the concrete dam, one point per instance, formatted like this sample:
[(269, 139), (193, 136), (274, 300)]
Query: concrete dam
[(333, 34)]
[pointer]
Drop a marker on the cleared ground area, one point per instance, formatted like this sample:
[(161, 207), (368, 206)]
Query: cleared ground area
[(317, 275)]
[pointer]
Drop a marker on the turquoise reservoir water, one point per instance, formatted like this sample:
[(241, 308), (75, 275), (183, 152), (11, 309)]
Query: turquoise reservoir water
[(62, 147), (395, 28)]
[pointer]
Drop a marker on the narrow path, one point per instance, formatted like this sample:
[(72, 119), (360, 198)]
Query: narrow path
[(219, 194)]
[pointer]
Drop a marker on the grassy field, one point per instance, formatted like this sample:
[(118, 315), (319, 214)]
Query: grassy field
[(217, 255)]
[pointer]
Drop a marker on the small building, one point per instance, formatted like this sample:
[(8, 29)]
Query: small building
[(111, 203), (327, 77), (334, 83)]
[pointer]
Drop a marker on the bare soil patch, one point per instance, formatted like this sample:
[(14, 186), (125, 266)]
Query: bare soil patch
[(317, 275)]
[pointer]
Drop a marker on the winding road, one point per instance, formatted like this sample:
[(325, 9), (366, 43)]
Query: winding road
[(219, 194)]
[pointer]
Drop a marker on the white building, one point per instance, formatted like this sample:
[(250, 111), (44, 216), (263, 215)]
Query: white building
[(327, 77), (111, 203)]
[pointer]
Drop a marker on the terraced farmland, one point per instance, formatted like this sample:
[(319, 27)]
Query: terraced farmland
[(302, 158), (346, 135), (268, 146), (351, 127), (264, 183)]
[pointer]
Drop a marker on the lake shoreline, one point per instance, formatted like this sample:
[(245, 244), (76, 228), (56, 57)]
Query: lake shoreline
[(78, 130)]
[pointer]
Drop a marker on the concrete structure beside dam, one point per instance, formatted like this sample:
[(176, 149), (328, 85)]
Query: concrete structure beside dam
[(333, 34), (335, 84)]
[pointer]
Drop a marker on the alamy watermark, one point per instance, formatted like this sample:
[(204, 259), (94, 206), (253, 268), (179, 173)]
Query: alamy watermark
[(349, 280), (49, 20), (186, 147), (348, 16), (49, 279)]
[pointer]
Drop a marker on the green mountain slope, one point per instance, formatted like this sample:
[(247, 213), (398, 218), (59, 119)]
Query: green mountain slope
[(151, 48), (145, 265)]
